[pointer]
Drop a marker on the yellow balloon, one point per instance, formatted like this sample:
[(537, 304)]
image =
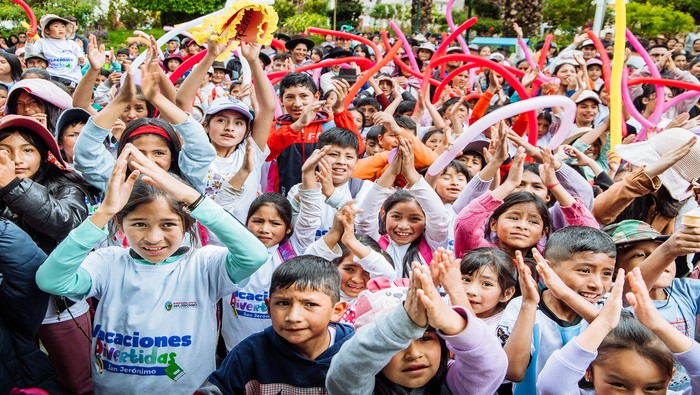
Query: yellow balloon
[(616, 77)]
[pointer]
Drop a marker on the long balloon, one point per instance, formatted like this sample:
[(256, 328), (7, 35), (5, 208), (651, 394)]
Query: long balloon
[(377, 52), (544, 52), (510, 110), (186, 65), (460, 40), (660, 97), (508, 76), (603, 58), (406, 45), (30, 14), (403, 66), (449, 78), (680, 98), (616, 77), (531, 61), (361, 61), (370, 73)]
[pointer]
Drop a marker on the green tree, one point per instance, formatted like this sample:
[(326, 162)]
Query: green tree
[(82, 10), (347, 12), (691, 7), (285, 9), (316, 7), (300, 22), (568, 15), (178, 11), (651, 20), (527, 13)]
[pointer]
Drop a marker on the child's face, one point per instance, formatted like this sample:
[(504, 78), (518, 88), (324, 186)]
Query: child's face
[(450, 184), (473, 163), (369, 111), (121, 57), (70, 135), (593, 151), (357, 118), (586, 112), (628, 372), (295, 98), (587, 273), (100, 79), (172, 65), (633, 255), (484, 292), (37, 63), (532, 183), (405, 222), (137, 109), (542, 127), (235, 90), (389, 140), (5, 68), (434, 141), (342, 161), (155, 148), (3, 97), (277, 65), (267, 225), (301, 317), (218, 76), (353, 279), (28, 105), (595, 72), (26, 157), (226, 129), (154, 230), (416, 365), (520, 227), (372, 147), (56, 29)]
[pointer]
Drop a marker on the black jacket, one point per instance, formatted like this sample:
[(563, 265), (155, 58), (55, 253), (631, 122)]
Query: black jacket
[(22, 309), (47, 213)]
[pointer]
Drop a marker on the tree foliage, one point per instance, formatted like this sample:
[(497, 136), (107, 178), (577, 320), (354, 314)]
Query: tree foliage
[(83, 10), (191, 7), (691, 7), (347, 12), (316, 7), (568, 15), (651, 20), (300, 22)]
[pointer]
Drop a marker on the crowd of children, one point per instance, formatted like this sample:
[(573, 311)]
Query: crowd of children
[(202, 235)]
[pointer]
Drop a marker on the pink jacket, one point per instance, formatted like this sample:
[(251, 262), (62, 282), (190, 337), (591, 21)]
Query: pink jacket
[(471, 222)]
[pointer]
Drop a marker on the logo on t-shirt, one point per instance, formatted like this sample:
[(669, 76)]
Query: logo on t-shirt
[(180, 305)]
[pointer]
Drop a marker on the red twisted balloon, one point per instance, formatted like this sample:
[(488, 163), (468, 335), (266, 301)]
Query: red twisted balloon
[(30, 14)]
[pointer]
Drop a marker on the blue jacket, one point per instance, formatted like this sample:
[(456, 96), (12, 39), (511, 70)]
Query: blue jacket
[(22, 309), (266, 361)]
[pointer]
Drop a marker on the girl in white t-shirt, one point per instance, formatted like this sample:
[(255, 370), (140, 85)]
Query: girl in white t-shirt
[(155, 326)]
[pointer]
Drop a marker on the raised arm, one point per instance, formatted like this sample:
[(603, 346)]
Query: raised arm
[(188, 90), (83, 92), (263, 92)]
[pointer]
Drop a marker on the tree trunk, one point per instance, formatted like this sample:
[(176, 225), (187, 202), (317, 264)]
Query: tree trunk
[(527, 13), (426, 11)]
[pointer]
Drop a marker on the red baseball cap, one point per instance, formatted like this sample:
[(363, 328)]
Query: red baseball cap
[(31, 124)]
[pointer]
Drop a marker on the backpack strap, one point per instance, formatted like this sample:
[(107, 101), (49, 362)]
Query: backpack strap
[(425, 251), (355, 184), (383, 241), (286, 250)]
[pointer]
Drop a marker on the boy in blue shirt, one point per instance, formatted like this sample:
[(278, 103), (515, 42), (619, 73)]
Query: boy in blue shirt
[(293, 354), (577, 273)]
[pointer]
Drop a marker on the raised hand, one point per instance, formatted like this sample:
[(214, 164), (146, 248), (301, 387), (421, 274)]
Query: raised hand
[(95, 53), (118, 189), (7, 169), (341, 89), (413, 304), (669, 159), (308, 114), (528, 285), (324, 175), (439, 314)]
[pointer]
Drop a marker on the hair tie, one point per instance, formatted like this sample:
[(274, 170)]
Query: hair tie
[(150, 129)]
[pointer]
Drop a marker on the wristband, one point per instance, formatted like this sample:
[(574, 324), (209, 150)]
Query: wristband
[(552, 186), (189, 208)]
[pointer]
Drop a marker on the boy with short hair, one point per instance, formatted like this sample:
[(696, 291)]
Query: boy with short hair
[(294, 354), (335, 169), (578, 272), (294, 135), (368, 106), (372, 145)]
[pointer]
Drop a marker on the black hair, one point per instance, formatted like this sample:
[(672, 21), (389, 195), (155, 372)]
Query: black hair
[(282, 56), (631, 334), (412, 254), (648, 90), (280, 204), (143, 193), (308, 272), (570, 240), (664, 203), (3, 87), (319, 51), (406, 106), (405, 122), (496, 260), (15, 65), (123, 51), (521, 198), (173, 142), (48, 172), (546, 116), (695, 61), (40, 73), (560, 65), (297, 79), (445, 106), (459, 167), (371, 101), (374, 132), (340, 137), (430, 134), (364, 49), (369, 242), (105, 72), (680, 53), (657, 46)]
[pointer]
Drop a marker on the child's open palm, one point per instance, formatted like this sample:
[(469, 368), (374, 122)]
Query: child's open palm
[(440, 315), (551, 279), (158, 177), (118, 189), (528, 285), (95, 53)]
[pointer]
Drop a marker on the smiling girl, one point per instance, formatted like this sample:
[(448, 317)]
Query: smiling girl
[(157, 310), (414, 219), (270, 220)]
